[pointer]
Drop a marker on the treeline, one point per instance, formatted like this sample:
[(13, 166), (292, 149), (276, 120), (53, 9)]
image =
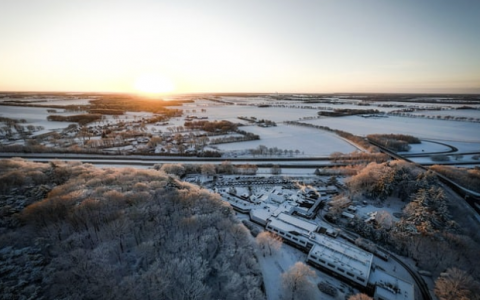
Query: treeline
[(273, 151), (234, 139), (81, 119), (225, 167), (208, 126), (115, 112), (406, 113), (356, 157), (362, 142), (33, 147), (341, 112), (433, 229), (11, 122), (129, 103), (394, 178), (258, 121), (468, 178), (395, 142), (126, 234)]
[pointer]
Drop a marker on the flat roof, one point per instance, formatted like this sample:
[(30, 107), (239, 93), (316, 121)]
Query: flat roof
[(283, 226), (391, 287), (310, 227), (343, 255), (263, 213)]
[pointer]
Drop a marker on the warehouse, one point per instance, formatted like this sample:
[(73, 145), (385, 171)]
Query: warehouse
[(343, 259)]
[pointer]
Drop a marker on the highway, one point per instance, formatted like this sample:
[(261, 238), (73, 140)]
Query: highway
[(150, 160), (472, 198)]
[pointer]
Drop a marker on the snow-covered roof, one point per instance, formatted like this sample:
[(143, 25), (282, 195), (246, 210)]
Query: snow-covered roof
[(263, 213), (343, 255), (391, 287), (282, 226), (302, 224), (276, 198)]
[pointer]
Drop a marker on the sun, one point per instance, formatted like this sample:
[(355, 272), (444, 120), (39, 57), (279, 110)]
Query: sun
[(153, 84)]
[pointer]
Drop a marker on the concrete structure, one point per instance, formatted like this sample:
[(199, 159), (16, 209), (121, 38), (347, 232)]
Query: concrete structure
[(342, 259), (345, 260), (389, 287)]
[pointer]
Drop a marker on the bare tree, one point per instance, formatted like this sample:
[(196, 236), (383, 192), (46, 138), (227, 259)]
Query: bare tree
[(276, 170), (226, 167), (297, 282), (268, 242), (208, 170), (360, 297), (384, 219), (455, 284), (155, 141), (176, 169)]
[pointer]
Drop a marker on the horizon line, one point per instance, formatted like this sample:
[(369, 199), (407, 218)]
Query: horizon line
[(250, 93)]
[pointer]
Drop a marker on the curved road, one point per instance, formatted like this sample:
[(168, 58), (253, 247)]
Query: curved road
[(452, 150), (470, 196), (422, 286)]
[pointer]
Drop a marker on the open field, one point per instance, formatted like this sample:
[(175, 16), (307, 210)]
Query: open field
[(421, 128), (308, 141), (291, 140)]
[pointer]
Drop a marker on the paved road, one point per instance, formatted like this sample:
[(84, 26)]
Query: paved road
[(149, 160), (473, 198), (422, 286)]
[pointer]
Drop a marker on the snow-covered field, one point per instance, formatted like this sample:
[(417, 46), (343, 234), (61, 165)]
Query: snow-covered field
[(468, 113), (309, 141), (35, 116), (427, 147), (461, 133), (64, 102), (232, 112)]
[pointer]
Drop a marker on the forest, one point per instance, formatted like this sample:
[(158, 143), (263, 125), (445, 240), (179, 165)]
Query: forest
[(470, 178), (435, 228), (81, 232)]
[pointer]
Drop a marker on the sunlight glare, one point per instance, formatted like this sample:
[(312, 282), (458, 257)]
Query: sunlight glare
[(153, 84)]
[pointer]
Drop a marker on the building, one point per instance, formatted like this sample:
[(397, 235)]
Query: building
[(293, 231), (389, 287), (344, 260)]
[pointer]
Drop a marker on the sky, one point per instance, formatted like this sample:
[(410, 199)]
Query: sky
[(261, 46)]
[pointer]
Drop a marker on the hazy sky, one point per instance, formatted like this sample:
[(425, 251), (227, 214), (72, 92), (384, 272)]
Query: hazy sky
[(241, 46)]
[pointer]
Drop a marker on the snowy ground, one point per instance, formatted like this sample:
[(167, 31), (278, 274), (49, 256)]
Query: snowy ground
[(279, 262), (461, 161), (469, 113), (427, 147), (462, 145), (232, 112), (463, 135), (57, 101), (273, 266), (391, 205), (418, 127), (309, 141), (298, 141), (35, 116)]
